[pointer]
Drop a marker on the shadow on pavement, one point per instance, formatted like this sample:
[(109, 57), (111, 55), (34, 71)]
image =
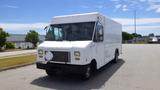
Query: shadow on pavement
[(73, 82)]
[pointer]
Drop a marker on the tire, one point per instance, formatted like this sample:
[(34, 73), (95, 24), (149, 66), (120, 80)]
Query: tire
[(93, 67), (87, 73), (50, 73), (115, 57)]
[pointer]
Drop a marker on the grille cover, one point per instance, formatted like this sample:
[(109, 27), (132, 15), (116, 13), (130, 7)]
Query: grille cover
[(61, 56)]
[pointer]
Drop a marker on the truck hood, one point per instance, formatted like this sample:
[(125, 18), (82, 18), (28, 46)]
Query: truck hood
[(64, 44)]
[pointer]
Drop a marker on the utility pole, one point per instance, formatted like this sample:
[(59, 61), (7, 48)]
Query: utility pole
[(135, 24)]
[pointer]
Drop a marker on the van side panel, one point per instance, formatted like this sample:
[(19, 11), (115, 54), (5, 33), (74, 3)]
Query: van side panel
[(112, 38), (112, 41)]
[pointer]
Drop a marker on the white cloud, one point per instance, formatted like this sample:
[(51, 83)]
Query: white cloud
[(26, 26), (144, 25), (140, 21), (126, 22), (124, 8), (147, 5), (118, 6), (11, 6), (142, 0), (100, 6), (139, 28), (154, 5), (158, 10)]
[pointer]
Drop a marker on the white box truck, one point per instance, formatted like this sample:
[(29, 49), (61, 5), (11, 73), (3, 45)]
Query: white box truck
[(80, 43)]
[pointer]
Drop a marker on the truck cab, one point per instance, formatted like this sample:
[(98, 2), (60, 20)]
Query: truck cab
[(79, 43)]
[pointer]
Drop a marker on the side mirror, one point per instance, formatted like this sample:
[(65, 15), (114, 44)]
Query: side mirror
[(46, 27)]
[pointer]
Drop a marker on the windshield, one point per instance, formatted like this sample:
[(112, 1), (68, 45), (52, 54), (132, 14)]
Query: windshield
[(70, 32)]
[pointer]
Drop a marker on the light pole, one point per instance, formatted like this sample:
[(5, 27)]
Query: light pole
[(135, 24)]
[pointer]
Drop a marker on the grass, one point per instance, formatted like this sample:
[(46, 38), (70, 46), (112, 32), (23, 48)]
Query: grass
[(15, 49), (140, 42), (10, 50), (16, 61)]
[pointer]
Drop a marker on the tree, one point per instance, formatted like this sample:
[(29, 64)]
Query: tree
[(10, 45), (33, 37), (136, 35), (3, 38), (126, 36)]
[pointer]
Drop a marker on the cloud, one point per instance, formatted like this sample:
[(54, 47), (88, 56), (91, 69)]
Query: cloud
[(118, 6), (11, 6), (24, 26), (153, 5), (158, 10), (142, 0), (144, 25), (147, 5), (124, 8), (122, 5), (139, 28), (140, 21), (100, 6)]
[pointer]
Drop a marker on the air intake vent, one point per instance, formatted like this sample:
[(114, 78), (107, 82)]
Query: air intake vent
[(61, 56)]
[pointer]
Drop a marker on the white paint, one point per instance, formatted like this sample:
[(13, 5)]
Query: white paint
[(86, 17), (65, 44)]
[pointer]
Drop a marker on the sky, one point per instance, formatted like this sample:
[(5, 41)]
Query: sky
[(20, 16)]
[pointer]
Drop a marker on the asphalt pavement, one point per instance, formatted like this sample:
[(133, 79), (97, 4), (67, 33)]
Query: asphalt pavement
[(137, 69)]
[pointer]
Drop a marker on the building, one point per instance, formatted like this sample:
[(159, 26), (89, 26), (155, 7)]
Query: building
[(19, 40)]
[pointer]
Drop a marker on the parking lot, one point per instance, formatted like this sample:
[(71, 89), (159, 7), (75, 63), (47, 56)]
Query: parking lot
[(137, 69)]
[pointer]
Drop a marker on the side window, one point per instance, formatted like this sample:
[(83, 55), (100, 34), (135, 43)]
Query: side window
[(98, 37), (49, 35)]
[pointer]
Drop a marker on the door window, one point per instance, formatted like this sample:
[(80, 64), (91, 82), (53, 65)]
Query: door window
[(98, 37)]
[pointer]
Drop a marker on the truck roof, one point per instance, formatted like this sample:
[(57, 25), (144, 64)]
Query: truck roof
[(85, 17)]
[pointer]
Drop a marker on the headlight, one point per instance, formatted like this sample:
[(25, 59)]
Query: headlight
[(40, 53), (48, 56), (77, 55)]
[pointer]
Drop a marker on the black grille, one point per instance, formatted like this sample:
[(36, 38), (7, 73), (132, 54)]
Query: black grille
[(61, 56)]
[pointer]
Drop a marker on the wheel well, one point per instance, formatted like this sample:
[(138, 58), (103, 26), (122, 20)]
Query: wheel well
[(94, 65)]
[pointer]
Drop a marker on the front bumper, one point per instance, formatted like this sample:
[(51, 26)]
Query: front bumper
[(62, 67)]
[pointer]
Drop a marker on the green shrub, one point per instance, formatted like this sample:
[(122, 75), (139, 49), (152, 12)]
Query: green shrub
[(10, 45)]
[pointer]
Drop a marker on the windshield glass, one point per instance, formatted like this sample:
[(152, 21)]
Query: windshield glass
[(70, 32)]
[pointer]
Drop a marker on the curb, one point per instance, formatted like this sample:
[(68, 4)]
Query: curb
[(11, 56), (16, 66)]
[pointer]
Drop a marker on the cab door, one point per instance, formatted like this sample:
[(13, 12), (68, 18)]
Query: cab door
[(99, 43)]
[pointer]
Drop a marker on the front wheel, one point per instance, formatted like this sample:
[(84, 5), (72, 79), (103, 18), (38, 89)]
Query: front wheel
[(87, 73), (50, 73)]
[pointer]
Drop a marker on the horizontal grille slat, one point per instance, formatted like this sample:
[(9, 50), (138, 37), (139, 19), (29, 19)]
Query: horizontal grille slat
[(61, 56)]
